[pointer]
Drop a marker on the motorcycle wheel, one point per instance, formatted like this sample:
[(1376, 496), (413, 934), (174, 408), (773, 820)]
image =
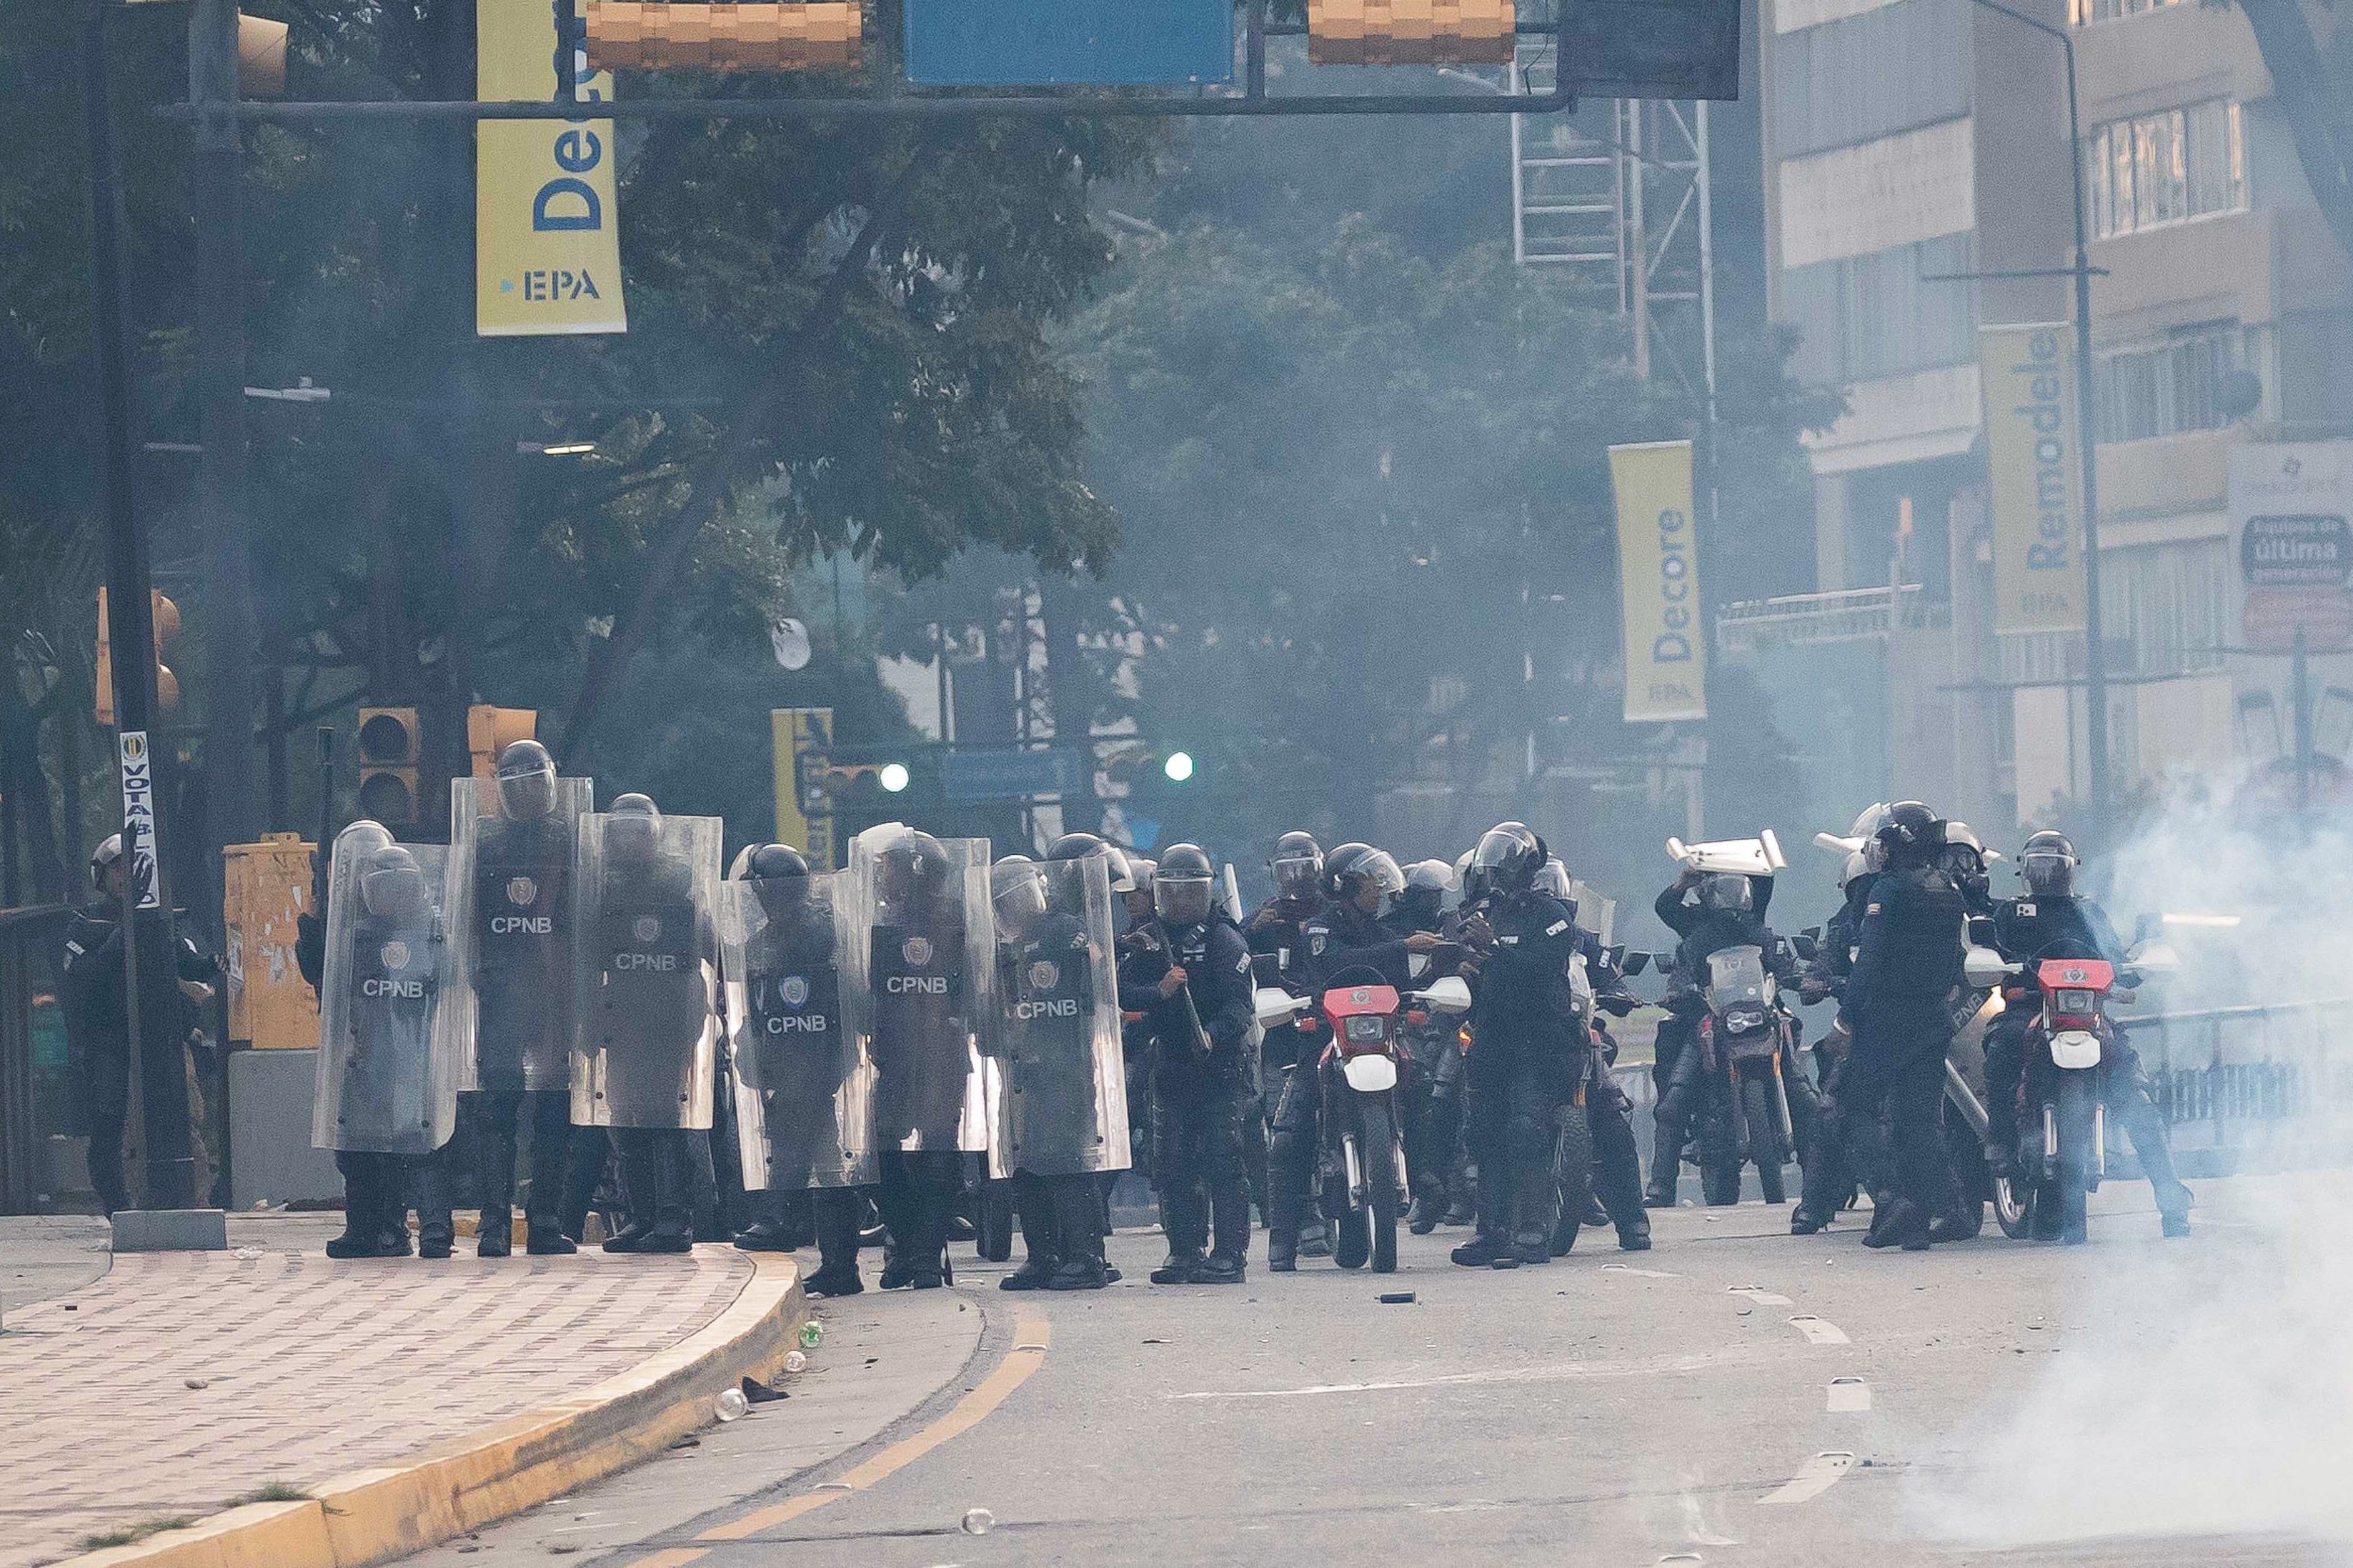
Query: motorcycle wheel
[(1384, 1191), (1719, 1163), (2011, 1209), (994, 1242), (1572, 1176), (1763, 1140), (2078, 1103), (1351, 1235)]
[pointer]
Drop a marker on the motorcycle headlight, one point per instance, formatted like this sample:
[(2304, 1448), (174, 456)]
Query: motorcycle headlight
[(2076, 1004), (1366, 1028), (1740, 1021)]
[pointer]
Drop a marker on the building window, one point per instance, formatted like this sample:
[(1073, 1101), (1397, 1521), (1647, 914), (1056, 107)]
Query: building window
[(1885, 69), (2172, 386), (2164, 608), (1864, 317), (2164, 167), (2079, 12)]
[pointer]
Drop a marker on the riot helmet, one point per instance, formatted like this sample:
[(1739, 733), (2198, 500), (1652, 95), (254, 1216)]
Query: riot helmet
[(391, 885), (1297, 864), (1866, 828), (1348, 868), (2048, 863), (1083, 845), (1181, 885), (108, 854), (1909, 836), (632, 828), (779, 875), (1726, 891), (363, 837), (526, 780), (1017, 889), (1426, 883), (914, 870), (1857, 864), (1508, 857), (1962, 859)]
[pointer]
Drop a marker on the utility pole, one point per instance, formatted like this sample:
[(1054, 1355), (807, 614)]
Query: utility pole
[(230, 635), (150, 977)]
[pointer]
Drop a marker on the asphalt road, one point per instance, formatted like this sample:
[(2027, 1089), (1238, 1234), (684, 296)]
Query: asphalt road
[(1734, 1396)]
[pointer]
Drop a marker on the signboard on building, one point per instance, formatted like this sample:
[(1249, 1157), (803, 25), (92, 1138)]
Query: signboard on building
[(1040, 43), (2292, 517), (971, 777), (2035, 467), (1658, 582), (547, 248), (802, 738)]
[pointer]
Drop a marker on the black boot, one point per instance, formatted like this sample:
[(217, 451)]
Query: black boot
[(494, 1175), (1033, 1207), (1180, 1268), (762, 1236), (1634, 1238), (1281, 1252), (1422, 1218), (548, 1242), (1481, 1251), (1082, 1274), (1221, 1268)]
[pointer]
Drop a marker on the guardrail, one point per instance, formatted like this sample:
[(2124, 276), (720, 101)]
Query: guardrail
[(2253, 1075)]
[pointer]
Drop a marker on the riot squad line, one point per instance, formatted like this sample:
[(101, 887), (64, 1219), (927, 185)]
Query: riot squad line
[(927, 1045)]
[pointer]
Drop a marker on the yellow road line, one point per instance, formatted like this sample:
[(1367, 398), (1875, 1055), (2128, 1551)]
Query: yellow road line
[(1031, 1335)]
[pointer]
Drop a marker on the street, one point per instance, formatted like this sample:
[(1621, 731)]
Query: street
[(1734, 1395)]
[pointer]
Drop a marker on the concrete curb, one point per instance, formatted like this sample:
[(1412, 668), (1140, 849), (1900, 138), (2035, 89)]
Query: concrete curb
[(374, 1515)]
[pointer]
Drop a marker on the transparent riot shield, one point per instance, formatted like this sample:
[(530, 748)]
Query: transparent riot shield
[(1057, 1039), (646, 1005), (796, 980), (514, 860), (1595, 911), (388, 1043), (923, 912)]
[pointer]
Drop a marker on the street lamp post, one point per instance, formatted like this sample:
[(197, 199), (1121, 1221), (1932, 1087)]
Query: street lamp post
[(2095, 659)]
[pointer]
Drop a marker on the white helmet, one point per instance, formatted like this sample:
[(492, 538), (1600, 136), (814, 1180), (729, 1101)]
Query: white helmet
[(1857, 864)]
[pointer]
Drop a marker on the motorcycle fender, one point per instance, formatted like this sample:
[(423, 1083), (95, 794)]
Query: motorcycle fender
[(2074, 1050), (1370, 1074)]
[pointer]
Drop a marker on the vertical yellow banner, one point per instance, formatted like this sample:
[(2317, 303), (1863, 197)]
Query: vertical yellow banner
[(547, 250), (2034, 464), (1658, 581), (802, 738)]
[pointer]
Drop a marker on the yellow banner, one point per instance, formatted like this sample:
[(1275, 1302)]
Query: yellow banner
[(2035, 464), (547, 250), (1658, 579), (802, 738)]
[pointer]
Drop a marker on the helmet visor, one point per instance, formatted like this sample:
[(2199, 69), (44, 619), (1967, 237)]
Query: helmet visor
[(2050, 874), (1381, 870), (1181, 900), (1726, 890), (1295, 875), (1499, 848)]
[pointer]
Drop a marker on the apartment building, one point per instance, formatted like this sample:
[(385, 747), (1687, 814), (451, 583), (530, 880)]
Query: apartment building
[(1917, 185)]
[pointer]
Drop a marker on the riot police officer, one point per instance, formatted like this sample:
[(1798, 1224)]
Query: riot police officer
[(1525, 1048), (1278, 946), (1192, 973), (2052, 919), (647, 1014), (1617, 1177), (1907, 974), (1830, 1179), (524, 946), (1345, 933), (1431, 1130), (1709, 911)]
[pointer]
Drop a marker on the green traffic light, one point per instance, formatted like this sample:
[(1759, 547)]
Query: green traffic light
[(1178, 767), (894, 776)]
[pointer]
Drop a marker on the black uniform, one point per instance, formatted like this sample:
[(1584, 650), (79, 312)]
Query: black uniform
[(1907, 971), (923, 999), (1339, 936), (93, 977), (523, 874), (1052, 1128), (792, 991), (1200, 1101), (1278, 945), (1616, 1163), (1830, 1176), (655, 957), (1704, 931), (1524, 1056), (2033, 927), (1431, 1122)]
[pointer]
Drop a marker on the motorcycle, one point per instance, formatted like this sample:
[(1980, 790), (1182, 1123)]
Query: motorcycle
[(2068, 1047), (1746, 1040), (1365, 1183)]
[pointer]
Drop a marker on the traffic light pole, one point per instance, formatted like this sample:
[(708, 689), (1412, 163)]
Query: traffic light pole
[(148, 979)]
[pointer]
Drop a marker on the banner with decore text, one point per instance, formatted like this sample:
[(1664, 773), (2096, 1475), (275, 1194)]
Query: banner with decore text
[(547, 251), (1658, 582)]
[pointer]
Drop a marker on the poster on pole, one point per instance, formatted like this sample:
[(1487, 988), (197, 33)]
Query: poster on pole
[(802, 741), (547, 249), (1658, 582), (2291, 520), (2035, 463), (139, 818)]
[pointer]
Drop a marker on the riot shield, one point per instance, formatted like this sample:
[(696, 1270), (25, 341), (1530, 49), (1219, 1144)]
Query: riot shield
[(923, 915), (513, 1009), (795, 978), (645, 1009), (388, 1043), (1057, 1034), (1595, 911)]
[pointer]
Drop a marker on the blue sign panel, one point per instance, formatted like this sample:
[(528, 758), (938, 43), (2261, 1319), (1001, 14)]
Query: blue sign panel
[(970, 777), (1050, 43)]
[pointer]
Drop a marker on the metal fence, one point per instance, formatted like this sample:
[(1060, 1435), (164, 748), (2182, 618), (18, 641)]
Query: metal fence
[(2250, 1077), (35, 1102)]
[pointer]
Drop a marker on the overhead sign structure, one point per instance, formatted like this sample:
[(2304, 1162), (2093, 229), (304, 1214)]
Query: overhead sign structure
[(2291, 519), (1652, 49), (1658, 582), (972, 777), (2036, 471), (1047, 43), (547, 249)]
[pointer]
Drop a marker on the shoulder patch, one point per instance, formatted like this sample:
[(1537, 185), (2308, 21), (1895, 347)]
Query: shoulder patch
[(76, 948), (2025, 908), (1556, 928), (1871, 910)]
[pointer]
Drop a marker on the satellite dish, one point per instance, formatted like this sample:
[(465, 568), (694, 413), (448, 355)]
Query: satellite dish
[(791, 641)]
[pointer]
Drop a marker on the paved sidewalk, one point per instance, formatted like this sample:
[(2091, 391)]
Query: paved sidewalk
[(181, 1382)]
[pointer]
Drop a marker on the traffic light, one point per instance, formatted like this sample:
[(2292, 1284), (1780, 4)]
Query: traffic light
[(1409, 32), (1178, 767), (650, 35), (489, 732), (388, 752), (166, 615)]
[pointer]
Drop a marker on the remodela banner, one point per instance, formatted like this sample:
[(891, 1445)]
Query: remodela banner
[(2035, 464), (548, 252), (1658, 581)]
